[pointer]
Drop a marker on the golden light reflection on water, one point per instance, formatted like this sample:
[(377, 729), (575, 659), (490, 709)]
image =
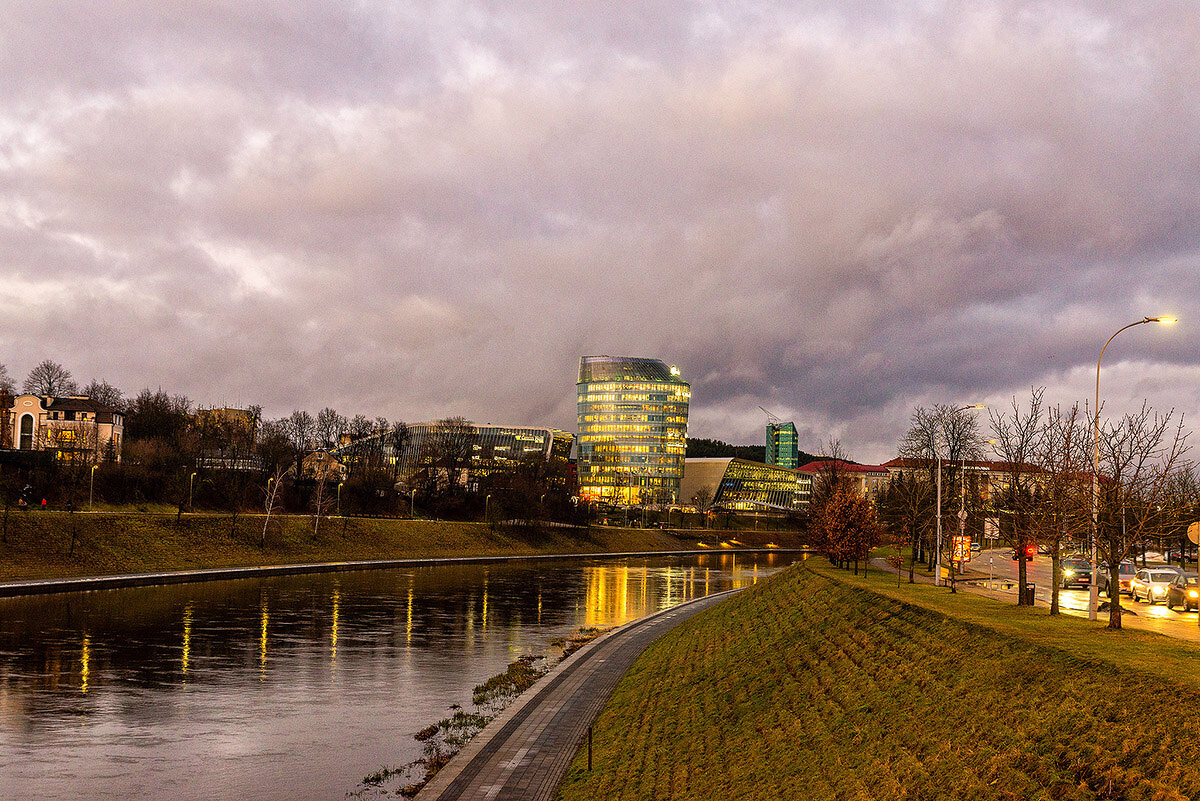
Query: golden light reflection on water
[(335, 599), (409, 615), (264, 620), (485, 599), (539, 618), (85, 663), (186, 656)]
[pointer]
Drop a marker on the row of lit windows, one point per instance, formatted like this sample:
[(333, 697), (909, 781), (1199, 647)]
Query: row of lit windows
[(630, 440), (637, 386)]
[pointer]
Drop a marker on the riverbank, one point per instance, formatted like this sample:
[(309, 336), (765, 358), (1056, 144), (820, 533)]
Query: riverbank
[(812, 685), (53, 545)]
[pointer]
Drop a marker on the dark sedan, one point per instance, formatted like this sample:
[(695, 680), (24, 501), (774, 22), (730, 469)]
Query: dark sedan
[(1075, 573), (1184, 591)]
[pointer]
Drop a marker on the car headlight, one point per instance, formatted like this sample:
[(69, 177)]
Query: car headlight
[(1068, 572), (1193, 594)]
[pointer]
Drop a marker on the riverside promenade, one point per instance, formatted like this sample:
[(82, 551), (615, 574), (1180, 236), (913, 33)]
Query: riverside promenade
[(525, 752)]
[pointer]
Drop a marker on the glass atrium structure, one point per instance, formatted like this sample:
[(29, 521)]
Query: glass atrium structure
[(782, 448), (738, 484), (632, 429)]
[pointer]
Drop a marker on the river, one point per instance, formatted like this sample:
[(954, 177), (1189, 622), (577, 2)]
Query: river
[(293, 687)]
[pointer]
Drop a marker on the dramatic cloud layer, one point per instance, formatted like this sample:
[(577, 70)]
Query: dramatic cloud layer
[(837, 211)]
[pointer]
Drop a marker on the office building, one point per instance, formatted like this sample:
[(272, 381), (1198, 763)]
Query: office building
[(633, 417), (782, 447)]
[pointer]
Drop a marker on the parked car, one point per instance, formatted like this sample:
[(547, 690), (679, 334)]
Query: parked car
[(1184, 591), (1075, 573), (1150, 584), (1125, 572)]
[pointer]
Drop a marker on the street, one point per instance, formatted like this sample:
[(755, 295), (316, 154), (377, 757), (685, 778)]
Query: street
[(1152, 617)]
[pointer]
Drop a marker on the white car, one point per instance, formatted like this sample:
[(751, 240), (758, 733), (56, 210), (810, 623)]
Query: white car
[(1151, 584)]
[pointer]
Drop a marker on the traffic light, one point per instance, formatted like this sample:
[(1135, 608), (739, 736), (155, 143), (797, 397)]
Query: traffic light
[(1030, 551)]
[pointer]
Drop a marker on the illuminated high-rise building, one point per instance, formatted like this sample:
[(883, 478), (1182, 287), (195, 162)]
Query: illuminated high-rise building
[(782, 447), (632, 429)]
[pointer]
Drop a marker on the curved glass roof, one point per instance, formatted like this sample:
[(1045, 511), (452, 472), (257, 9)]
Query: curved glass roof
[(627, 368)]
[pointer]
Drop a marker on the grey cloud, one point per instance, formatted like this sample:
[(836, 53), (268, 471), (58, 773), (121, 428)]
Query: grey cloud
[(832, 211)]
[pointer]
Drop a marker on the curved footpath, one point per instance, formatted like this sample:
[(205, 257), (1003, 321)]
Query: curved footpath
[(526, 751), (41, 586)]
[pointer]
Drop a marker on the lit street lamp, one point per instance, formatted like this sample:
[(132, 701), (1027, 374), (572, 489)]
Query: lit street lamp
[(191, 481), (339, 498), (91, 486), (412, 505), (937, 571), (1094, 589), (486, 501)]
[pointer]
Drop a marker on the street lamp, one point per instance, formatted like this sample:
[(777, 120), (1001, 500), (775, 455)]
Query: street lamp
[(339, 498), (191, 481), (412, 505), (91, 486), (937, 571), (1094, 589), (486, 501)]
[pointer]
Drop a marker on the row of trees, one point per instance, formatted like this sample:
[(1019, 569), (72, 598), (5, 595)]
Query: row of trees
[(1147, 490)]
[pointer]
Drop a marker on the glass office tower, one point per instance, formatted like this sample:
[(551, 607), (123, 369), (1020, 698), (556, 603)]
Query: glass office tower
[(632, 429), (782, 447)]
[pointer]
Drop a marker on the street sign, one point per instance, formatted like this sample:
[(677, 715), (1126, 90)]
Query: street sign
[(960, 549), (1194, 533)]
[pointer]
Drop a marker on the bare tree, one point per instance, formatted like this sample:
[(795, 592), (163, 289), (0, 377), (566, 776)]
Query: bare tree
[(329, 428), (1019, 435), (7, 385), (702, 501), (103, 392), (271, 500), (1140, 456), (50, 378), (359, 427), (448, 450), (943, 431), (1064, 487), (301, 430)]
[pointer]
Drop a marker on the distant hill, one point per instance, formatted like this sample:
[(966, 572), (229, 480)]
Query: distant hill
[(698, 448)]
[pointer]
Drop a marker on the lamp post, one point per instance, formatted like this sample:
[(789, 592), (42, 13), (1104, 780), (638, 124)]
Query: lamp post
[(191, 482), (91, 486), (412, 505), (1094, 589), (486, 502), (339, 498), (937, 570)]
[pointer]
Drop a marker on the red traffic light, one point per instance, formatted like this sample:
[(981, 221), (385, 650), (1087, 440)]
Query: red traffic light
[(1030, 551)]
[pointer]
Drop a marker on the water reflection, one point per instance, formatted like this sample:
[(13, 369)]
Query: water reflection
[(292, 686)]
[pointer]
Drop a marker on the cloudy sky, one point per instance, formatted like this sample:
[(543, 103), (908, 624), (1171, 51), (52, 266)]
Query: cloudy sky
[(838, 211)]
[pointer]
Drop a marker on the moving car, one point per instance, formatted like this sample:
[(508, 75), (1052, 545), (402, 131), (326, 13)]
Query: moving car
[(1184, 591), (1150, 584), (1125, 573), (1075, 573)]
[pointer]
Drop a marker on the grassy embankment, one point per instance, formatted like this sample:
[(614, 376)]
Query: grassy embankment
[(819, 685), (39, 543)]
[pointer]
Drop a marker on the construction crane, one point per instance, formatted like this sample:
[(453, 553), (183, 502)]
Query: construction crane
[(773, 419)]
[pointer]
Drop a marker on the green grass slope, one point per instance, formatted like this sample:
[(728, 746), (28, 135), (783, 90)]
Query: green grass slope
[(38, 544), (810, 687)]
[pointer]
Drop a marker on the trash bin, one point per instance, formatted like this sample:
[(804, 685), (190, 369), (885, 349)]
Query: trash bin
[(1030, 588)]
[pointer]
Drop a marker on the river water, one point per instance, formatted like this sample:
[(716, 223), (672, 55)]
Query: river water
[(293, 687)]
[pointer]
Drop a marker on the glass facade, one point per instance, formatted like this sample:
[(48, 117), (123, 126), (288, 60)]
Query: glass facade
[(782, 447), (632, 429), (739, 484), (487, 449)]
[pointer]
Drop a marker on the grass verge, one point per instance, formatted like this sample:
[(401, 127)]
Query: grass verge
[(817, 686), (39, 544)]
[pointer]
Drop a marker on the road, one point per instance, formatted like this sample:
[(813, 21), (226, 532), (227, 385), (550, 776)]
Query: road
[(1153, 617)]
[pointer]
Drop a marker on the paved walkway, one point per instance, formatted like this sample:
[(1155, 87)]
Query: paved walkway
[(525, 752)]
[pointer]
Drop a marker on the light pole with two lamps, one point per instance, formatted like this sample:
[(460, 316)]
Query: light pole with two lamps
[(937, 445), (1094, 589)]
